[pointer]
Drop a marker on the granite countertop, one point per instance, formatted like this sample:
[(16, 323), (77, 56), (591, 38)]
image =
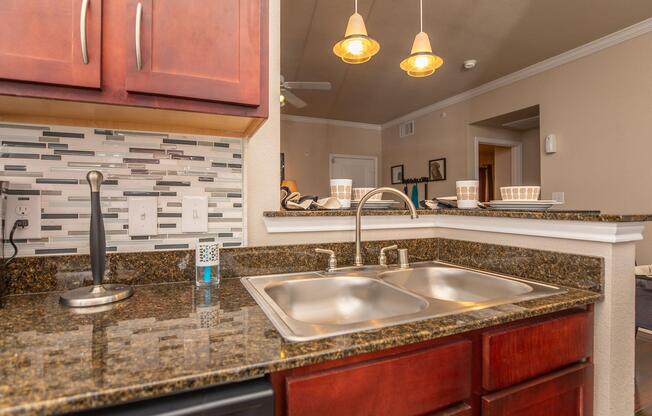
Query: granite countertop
[(565, 215), (172, 337)]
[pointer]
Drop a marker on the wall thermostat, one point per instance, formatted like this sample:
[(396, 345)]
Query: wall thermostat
[(551, 143)]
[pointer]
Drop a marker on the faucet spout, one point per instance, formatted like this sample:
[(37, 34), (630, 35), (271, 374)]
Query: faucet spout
[(358, 215)]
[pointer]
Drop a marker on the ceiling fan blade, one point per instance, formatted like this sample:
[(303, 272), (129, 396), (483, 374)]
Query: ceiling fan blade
[(307, 85), (293, 99)]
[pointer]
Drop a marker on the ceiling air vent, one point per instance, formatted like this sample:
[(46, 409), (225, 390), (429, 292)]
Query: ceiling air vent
[(406, 129)]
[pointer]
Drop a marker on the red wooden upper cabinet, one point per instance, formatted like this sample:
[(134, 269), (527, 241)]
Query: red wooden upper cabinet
[(197, 49), (51, 41)]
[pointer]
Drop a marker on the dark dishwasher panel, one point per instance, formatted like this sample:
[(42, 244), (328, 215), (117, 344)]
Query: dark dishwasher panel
[(247, 398)]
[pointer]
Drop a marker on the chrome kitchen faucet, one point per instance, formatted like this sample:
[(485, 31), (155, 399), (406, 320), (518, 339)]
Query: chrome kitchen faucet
[(358, 214)]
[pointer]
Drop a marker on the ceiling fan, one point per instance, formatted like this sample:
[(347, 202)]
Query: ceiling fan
[(288, 96)]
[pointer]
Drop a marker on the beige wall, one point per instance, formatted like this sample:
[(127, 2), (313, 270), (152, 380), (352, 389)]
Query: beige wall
[(262, 151), (599, 106), (307, 146), (531, 157)]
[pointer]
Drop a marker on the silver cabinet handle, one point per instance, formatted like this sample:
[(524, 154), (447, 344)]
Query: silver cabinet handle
[(139, 18), (82, 30)]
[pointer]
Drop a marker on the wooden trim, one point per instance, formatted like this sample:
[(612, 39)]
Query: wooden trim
[(66, 113)]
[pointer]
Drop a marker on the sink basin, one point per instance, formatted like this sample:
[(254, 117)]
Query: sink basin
[(341, 300), (457, 285), (309, 306)]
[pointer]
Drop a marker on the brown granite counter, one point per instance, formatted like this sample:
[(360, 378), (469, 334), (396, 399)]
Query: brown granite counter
[(564, 215), (172, 337)]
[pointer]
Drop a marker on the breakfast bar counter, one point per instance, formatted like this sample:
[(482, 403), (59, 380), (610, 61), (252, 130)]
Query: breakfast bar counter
[(560, 215)]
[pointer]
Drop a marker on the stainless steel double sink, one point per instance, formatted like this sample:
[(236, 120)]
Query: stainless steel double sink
[(308, 306)]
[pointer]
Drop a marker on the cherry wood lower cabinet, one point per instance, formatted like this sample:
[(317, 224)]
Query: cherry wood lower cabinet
[(564, 393), (538, 366), (406, 383), (532, 348)]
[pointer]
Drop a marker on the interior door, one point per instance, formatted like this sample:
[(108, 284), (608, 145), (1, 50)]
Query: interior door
[(199, 49), (362, 170), (41, 41)]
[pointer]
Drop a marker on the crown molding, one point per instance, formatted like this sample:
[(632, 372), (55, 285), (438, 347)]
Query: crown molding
[(592, 47), (330, 122)]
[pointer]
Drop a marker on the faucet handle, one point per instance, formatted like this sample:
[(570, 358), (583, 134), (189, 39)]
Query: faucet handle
[(382, 259), (332, 260)]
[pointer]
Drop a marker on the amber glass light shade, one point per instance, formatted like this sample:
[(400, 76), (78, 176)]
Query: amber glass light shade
[(421, 62), (356, 47)]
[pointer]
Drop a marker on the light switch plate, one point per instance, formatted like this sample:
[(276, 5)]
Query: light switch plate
[(143, 213), (23, 207), (194, 214)]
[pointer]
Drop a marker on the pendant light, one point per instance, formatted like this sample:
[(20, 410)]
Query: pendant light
[(356, 47), (421, 62)]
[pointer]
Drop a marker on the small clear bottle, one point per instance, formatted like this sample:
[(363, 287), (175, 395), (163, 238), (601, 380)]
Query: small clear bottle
[(207, 264)]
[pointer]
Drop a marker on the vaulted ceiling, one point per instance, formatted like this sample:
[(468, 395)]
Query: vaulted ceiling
[(503, 35)]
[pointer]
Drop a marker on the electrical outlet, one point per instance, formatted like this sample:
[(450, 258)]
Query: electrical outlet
[(143, 215), (558, 196), (23, 207), (194, 214)]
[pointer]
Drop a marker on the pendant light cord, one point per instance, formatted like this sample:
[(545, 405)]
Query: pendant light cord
[(356, 6), (420, 13)]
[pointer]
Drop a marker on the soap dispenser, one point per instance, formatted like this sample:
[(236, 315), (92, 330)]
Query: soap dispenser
[(207, 264)]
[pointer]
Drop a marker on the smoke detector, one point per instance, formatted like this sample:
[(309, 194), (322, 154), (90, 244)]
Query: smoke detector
[(470, 63)]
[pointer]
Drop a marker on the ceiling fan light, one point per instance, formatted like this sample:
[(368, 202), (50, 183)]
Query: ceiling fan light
[(356, 47), (421, 62)]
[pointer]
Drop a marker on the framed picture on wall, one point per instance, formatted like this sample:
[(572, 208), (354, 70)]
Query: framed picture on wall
[(397, 174), (437, 169)]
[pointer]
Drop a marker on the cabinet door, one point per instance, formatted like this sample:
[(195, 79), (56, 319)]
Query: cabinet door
[(41, 41), (567, 392), (412, 383), (197, 49), (516, 353)]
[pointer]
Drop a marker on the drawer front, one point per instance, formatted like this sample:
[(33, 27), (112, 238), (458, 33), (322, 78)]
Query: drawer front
[(567, 392), (412, 383), (514, 354), (462, 409)]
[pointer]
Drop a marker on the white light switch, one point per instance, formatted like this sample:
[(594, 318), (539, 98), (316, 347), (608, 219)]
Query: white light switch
[(143, 213), (23, 207), (194, 214)]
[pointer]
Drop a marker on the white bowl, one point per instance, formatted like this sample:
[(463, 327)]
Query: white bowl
[(520, 193), (358, 193)]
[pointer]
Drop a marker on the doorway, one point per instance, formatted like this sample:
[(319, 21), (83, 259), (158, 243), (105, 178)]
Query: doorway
[(495, 170), (361, 169), (498, 162)]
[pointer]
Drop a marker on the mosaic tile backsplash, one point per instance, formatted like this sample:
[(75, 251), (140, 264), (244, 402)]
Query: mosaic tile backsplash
[(52, 161)]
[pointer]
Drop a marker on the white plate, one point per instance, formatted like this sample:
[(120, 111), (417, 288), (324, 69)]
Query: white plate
[(386, 203), (523, 205), (537, 202)]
